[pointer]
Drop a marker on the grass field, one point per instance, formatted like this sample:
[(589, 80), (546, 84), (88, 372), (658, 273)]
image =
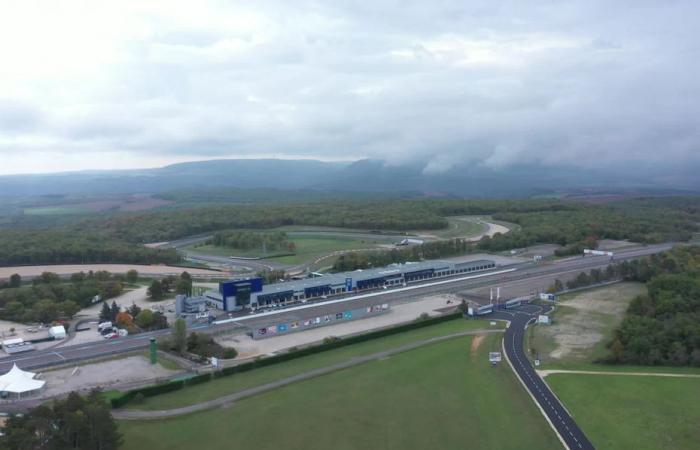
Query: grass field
[(618, 412), (235, 383), (583, 324), (311, 247), (443, 396), (460, 226)]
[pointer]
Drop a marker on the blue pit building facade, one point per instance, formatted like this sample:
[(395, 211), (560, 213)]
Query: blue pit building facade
[(238, 295)]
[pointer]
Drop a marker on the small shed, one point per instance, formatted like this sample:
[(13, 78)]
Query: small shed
[(57, 332), (18, 383)]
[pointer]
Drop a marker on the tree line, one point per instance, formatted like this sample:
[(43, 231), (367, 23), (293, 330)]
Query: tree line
[(573, 225), (662, 327), (77, 422), (75, 246), (49, 298), (428, 250), (117, 237)]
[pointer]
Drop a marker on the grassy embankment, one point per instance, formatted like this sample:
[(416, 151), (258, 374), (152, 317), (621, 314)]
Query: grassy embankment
[(235, 383), (444, 396)]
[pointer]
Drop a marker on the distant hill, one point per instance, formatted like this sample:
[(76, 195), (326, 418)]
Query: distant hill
[(468, 180)]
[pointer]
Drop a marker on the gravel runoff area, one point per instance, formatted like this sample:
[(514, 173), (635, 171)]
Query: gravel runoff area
[(248, 347), (154, 270), (106, 375)]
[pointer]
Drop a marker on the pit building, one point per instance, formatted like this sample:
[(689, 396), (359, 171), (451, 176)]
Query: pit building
[(237, 295)]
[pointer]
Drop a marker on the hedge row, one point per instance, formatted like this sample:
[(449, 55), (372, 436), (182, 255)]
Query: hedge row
[(163, 388)]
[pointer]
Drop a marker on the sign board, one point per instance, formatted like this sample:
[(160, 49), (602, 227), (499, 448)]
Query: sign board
[(537, 362), (543, 319), (494, 357), (214, 361), (348, 284)]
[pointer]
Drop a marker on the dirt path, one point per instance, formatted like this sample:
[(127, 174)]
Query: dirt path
[(231, 398), (492, 229), (476, 343), (544, 373)]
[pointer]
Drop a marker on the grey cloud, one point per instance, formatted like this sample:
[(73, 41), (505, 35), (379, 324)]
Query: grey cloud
[(440, 83), (18, 117)]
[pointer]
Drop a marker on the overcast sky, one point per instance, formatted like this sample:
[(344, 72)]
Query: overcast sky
[(92, 85)]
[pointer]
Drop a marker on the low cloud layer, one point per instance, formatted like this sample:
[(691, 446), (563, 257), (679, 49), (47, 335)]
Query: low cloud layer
[(127, 84)]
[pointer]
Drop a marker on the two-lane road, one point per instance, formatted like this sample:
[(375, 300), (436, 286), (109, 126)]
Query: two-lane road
[(513, 339)]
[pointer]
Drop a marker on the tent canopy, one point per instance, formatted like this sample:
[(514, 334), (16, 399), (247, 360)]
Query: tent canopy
[(18, 381)]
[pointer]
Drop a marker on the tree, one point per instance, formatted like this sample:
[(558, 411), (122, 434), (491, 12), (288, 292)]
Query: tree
[(168, 283), (557, 286), (114, 310), (46, 311), (463, 307), (132, 276), (145, 319), (69, 308), (106, 313), (179, 334), (15, 280), (74, 423), (183, 286), (160, 322), (618, 350), (155, 290), (111, 288), (49, 278), (134, 309), (124, 319)]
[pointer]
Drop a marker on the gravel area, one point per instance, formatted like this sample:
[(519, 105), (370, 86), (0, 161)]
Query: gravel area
[(106, 375)]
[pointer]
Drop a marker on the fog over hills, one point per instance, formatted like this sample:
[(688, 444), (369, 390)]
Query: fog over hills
[(468, 180)]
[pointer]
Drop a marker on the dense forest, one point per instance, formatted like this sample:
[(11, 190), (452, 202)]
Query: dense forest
[(50, 298), (168, 225), (117, 237), (575, 226), (32, 247), (663, 326), (248, 240)]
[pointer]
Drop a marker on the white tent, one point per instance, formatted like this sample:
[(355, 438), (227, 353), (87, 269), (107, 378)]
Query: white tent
[(18, 382)]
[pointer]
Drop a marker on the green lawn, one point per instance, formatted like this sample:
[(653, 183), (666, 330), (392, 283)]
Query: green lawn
[(311, 247), (307, 248), (621, 412), (460, 226), (443, 396), (237, 382)]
